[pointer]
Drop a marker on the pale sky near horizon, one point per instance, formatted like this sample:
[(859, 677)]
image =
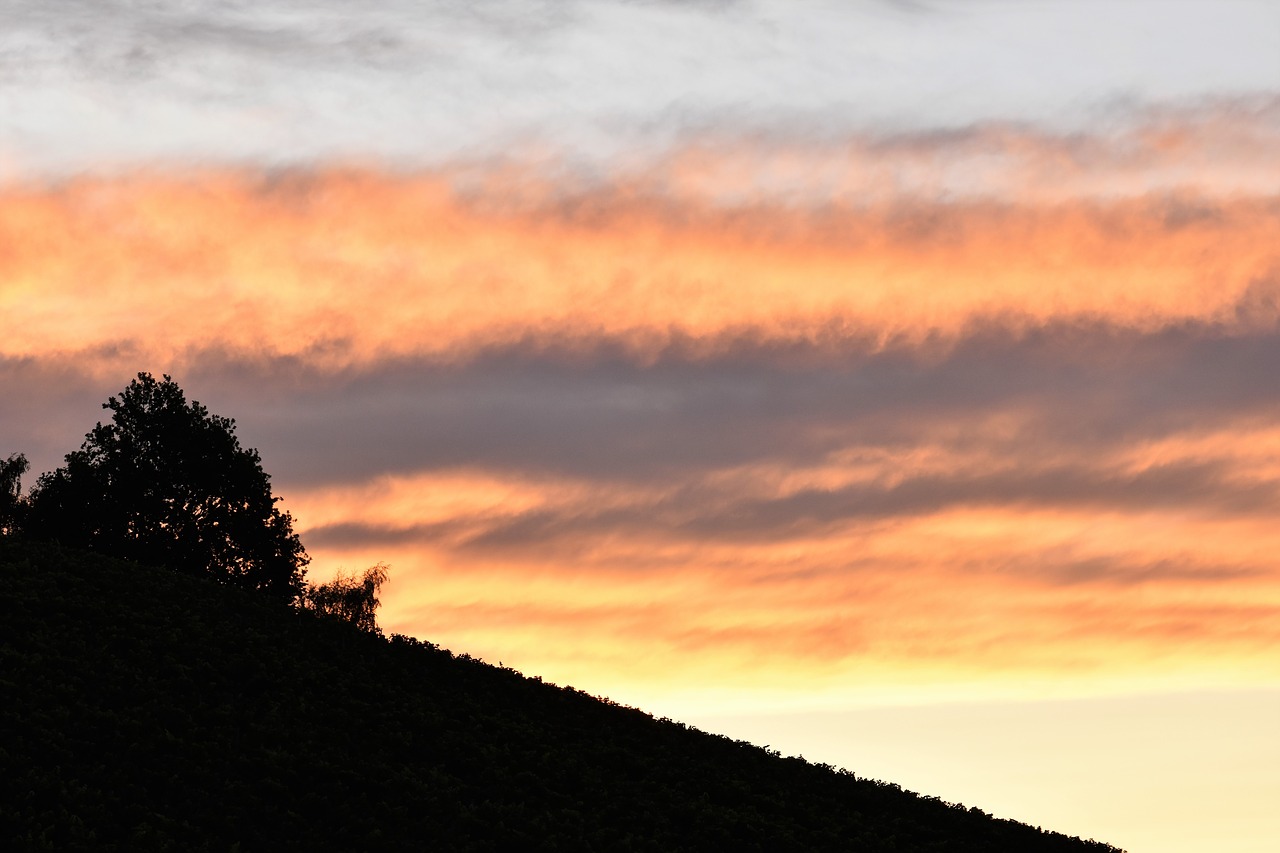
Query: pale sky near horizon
[(890, 382)]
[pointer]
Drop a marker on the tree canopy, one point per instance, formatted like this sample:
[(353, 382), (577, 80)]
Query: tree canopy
[(167, 483)]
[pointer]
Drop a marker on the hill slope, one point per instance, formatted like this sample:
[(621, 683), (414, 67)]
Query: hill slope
[(145, 710)]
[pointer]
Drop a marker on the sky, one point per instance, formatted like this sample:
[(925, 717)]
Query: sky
[(891, 383)]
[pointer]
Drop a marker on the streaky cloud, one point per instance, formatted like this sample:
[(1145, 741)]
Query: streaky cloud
[(606, 412), (703, 515), (356, 267), (602, 81)]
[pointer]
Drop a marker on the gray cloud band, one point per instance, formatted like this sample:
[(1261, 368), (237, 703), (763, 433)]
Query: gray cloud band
[(600, 416), (597, 414)]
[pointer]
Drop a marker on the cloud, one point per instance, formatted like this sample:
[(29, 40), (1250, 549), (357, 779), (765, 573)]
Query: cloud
[(607, 413), (930, 622), (706, 515), (1218, 146), (604, 416), (49, 404), (602, 80), (352, 267)]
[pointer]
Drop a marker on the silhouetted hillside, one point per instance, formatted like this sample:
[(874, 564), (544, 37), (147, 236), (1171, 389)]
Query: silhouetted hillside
[(147, 710)]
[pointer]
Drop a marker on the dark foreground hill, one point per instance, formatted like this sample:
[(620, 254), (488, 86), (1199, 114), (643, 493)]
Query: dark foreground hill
[(145, 710)]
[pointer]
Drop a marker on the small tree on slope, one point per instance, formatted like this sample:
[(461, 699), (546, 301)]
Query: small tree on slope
[(350, 598), (167, 483), (11, 471)]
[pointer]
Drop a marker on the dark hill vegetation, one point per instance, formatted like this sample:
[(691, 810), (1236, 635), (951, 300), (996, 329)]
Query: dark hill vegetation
[(144, 709)]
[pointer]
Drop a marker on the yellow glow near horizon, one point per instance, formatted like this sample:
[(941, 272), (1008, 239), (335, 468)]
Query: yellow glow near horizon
[(962, 597)]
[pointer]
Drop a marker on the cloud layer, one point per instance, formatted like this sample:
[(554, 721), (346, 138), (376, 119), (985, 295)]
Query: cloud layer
[(838, 411), (425, 83)]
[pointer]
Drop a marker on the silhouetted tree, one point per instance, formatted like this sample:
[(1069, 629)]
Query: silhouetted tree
[(350, 598), (167, 483), (11, 471)]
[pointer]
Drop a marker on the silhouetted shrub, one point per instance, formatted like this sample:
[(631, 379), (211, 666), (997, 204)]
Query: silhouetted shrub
[(349, 598), (11, 471)]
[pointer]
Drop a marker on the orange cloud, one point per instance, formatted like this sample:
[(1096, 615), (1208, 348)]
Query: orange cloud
[(351, 266)]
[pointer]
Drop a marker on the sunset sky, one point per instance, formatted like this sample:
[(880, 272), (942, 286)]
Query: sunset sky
[(892, 383)]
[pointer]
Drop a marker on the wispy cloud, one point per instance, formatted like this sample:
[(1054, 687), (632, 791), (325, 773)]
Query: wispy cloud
[(422, 84)]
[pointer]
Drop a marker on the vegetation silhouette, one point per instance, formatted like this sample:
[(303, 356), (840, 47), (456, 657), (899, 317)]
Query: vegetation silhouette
[(349, 598), (150, 710), (11, 503), (157, 696), (166, 483)]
